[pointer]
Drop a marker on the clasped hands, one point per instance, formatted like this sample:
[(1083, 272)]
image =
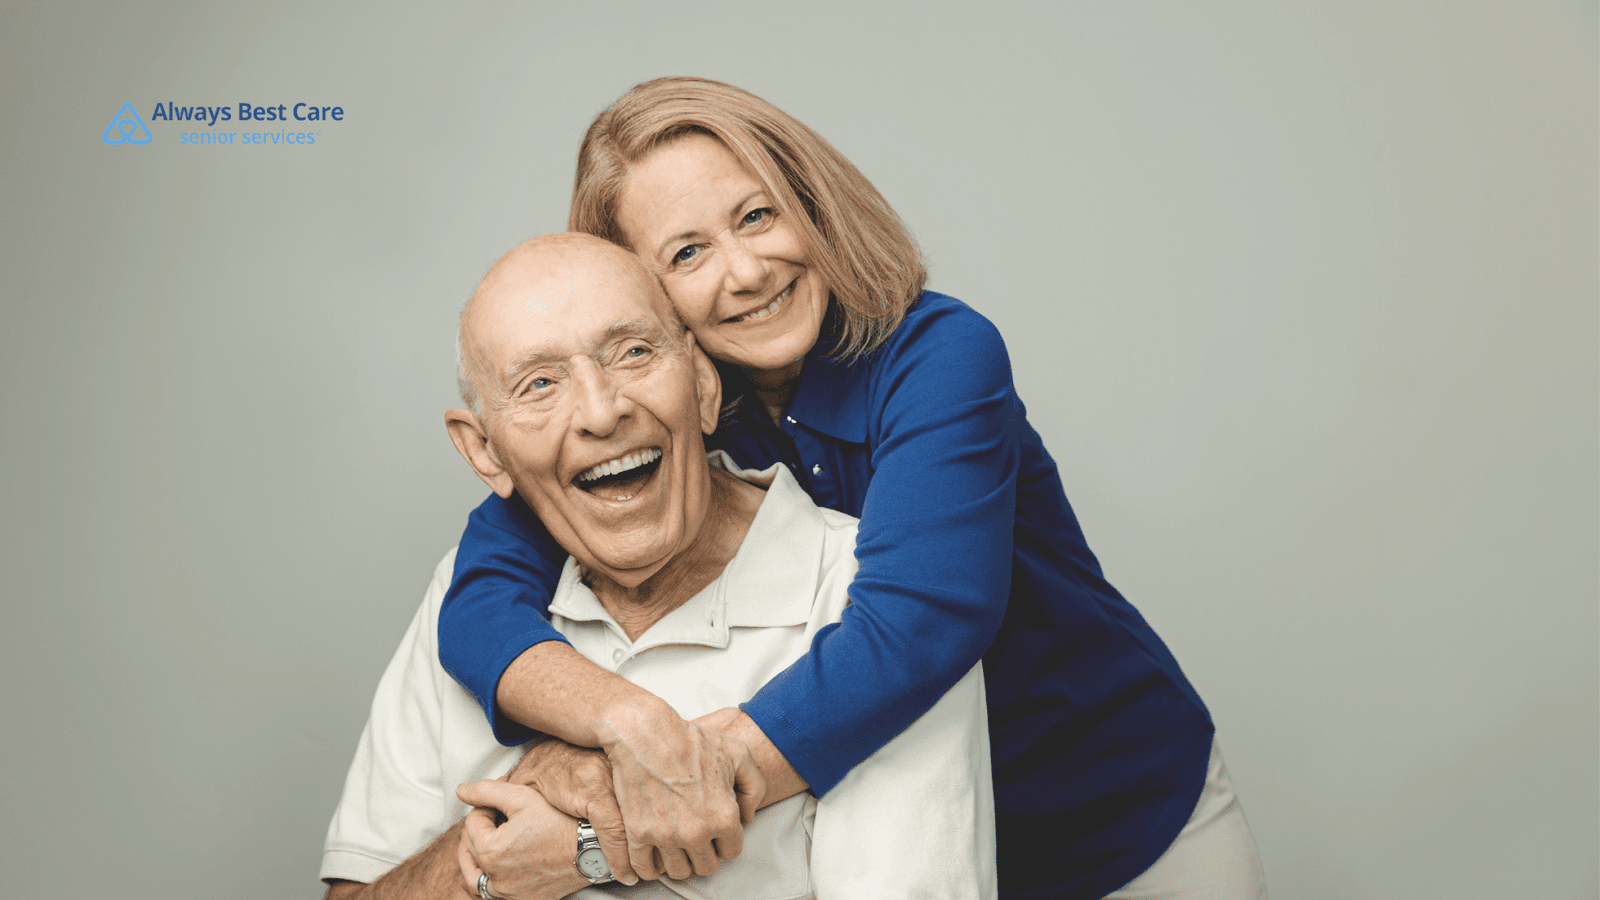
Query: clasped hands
[(665, 798)]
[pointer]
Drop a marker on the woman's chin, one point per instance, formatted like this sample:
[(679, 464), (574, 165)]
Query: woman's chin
[(778, 356)]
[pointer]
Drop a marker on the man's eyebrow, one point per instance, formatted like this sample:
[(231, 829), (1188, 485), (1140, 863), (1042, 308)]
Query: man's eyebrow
[(649, 329), (530, 360)]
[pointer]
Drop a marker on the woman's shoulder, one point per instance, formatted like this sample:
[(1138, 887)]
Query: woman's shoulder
[(939, 328), (932, 306)]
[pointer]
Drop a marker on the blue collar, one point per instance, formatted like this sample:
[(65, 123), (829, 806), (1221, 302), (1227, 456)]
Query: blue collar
[(832, 397)]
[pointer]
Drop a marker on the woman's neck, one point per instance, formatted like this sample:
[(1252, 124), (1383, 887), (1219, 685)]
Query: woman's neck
[(775, 388)]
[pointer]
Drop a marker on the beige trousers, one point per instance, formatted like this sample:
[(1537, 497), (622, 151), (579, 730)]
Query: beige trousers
[(1213, 858)]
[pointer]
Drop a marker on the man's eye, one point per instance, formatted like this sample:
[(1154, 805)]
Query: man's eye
[(756, 215), (540, 384), (685, 254), (635, 352)]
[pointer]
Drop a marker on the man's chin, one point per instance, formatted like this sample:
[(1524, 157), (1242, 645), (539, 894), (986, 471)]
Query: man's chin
[(627, 564)]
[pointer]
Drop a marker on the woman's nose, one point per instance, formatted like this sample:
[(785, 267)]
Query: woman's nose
[(747, 271)]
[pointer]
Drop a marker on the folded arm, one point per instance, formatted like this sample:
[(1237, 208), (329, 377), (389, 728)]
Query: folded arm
[(683, 790)]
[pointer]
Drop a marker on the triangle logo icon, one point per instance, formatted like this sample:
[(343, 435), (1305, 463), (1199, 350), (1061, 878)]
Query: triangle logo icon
[(126, 128)]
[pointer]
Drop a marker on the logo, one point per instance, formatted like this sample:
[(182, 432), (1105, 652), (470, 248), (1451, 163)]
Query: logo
[(127, 128)]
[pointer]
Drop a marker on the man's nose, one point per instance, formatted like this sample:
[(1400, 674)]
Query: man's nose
[(599, 407), (747, 271)]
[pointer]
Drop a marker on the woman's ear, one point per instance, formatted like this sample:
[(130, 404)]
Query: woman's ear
[(707, 385), (472, 441)]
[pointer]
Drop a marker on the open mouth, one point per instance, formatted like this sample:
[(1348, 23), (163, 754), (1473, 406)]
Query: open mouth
[(764, 311), (623, 477)]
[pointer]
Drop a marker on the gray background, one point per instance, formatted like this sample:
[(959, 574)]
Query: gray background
[(1302, 297)]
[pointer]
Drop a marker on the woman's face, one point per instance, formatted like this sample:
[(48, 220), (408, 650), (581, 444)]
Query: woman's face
[(734, 267)]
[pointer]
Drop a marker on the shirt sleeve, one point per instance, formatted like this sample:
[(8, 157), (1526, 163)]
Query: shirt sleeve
[(498, 604), (394, 799), (935, 549)]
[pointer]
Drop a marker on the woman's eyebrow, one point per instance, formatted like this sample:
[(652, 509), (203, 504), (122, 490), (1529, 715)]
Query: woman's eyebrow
[(733, 210), (738, 205)]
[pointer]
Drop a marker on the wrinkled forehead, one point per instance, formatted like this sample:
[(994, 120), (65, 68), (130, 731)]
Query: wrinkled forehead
[(564, 298)]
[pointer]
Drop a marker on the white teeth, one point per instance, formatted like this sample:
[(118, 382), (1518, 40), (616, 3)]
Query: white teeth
[(621, 464), (769, 309)]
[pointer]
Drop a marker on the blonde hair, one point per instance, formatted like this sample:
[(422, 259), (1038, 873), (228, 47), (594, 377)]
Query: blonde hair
[(855, 240)]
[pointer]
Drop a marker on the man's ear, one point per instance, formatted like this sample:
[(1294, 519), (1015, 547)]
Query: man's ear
[(470, 438), (707, 385)]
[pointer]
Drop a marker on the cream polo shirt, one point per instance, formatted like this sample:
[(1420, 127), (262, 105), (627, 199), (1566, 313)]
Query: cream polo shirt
[(916, 819)]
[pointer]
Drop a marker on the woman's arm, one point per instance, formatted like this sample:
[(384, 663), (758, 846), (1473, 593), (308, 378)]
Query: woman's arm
[(935, 541), (498, 603)]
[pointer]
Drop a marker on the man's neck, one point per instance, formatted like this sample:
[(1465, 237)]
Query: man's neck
[(732, 507)]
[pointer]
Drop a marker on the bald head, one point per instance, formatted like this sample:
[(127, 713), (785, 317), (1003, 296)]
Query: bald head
[(541, 273)]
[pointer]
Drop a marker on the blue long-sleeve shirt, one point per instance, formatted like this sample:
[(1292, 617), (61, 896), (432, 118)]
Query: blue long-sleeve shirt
[(968, 549)]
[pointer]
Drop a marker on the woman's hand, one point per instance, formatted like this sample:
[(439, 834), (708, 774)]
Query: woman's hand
[(530, 855), (685, 793)]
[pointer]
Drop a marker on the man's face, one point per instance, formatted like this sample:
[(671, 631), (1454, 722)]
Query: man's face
[(594, 406)]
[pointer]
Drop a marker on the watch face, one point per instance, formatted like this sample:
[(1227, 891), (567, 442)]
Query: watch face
[(592, 863)]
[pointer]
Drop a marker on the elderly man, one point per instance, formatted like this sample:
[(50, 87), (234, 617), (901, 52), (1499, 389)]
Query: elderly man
[(695, 582)]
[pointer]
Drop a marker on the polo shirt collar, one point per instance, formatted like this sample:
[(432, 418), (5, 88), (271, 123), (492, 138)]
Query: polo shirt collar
[(771, 582), (832, 397)]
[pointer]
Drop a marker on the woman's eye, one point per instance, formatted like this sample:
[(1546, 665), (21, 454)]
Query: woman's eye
[(635, 352), (756, 215), (685, 254), (540, 384)]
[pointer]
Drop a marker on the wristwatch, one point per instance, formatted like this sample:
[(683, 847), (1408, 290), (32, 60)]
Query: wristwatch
[(591, 862)]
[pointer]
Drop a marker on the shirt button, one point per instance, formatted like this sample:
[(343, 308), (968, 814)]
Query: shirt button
[(817, 469), (790, 420), (616, 656)]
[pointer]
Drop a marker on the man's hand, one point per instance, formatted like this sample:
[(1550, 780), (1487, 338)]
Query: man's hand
[(577, 781), (527, 857), (685, 793)]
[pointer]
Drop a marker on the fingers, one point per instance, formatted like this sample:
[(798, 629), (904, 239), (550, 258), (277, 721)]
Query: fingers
[(509, 798), (478, 829), (643, 859), (675, 862), (464, 858), (606, 819), (749, 789), (701, 859), (698, 849)]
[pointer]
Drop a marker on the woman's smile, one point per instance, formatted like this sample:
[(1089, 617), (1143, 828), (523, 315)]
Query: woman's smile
[(764, 311)]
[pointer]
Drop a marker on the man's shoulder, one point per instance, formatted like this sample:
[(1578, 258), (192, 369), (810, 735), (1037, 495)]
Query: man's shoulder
[(839, 532)]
